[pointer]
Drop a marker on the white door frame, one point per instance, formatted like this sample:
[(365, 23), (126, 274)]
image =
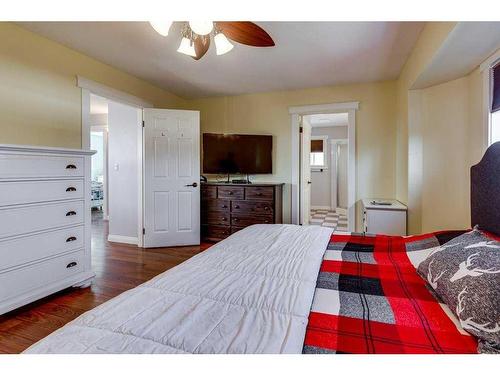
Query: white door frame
[(89, 87), (296, 112), (333, 168)]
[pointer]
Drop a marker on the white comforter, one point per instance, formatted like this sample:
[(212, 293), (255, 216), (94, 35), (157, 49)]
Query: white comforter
[(250, 293)]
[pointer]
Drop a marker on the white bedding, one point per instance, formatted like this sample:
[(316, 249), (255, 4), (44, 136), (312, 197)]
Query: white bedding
[(250, 293)]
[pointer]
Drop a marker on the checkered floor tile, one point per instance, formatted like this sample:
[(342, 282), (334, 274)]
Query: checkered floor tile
[(334, 219)]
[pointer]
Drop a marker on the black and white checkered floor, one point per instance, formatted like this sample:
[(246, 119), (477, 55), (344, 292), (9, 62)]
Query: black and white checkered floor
[(333, 219)]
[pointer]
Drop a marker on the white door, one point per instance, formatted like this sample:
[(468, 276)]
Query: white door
[(171, 178), (305, 172)]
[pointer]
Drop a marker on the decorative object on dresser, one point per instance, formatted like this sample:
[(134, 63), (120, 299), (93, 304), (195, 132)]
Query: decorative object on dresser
[(384, 216), (227, 208), (44, 222)]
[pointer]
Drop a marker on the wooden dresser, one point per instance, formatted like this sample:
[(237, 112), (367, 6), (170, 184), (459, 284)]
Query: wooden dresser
[(44, 222), (227, 208)]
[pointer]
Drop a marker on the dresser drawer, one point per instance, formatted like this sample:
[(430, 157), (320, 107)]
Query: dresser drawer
[(208, 192), (22, 280), (230, 192), (252, 207), (259, 193), (242, 220), (215, 232), (217, 218), (27, 166), (20, 220), (20, 250), (20, 192), (216, 205)]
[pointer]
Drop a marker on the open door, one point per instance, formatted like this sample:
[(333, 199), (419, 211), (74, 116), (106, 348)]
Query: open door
[(305, 172), (171, 178)]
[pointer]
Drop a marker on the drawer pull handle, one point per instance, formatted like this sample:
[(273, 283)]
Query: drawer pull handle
[(230, 193), (259, 194), (224, 219), (71, 188), (266, 208), (71, 166), (236, 206), (224, 206), (71, 239), (72, 264), (236, 219), (71, 213)]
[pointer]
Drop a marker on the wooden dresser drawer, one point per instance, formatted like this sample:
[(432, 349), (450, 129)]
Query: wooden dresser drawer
[(217, 218), (230, 192), (216, 205), (215, 232), (21, 250), (32, 166), (259, 193), (244, 220), (22, 192), (22, 280), (257, 207), (208, 192), (26, 219)]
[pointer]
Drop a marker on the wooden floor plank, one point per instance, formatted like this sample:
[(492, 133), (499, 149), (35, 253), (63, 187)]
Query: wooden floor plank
[(118, 268)]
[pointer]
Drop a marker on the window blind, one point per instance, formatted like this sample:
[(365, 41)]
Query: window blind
[(495, 103), (317, 145)]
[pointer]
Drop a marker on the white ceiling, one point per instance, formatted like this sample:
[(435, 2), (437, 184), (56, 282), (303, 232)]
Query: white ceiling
[(307, 54), (461, 53), (328, 119)]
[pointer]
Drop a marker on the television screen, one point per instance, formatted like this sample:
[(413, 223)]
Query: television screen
[(237, 153)]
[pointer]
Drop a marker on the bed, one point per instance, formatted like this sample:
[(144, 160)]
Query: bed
[(290, 289)]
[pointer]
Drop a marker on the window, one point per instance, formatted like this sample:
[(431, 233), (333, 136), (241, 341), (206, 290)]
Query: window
[(318, 150), (495, 104)]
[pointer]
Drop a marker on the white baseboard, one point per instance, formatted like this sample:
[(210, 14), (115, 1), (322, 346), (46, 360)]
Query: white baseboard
[(123, 239), (321, 208)]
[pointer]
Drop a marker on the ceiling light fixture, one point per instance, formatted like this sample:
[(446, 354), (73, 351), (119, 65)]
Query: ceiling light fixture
[(201, 27), (161, 27), (197, 36), (222, 44), (187, 47)]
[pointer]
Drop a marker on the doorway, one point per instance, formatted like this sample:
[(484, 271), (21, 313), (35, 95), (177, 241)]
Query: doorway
[(323, 165), (116, 135), (150, 190)]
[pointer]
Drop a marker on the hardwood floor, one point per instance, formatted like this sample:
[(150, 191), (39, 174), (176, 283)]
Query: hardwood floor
[(118, 268)]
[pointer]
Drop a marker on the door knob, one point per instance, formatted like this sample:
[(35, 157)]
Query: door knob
[(309, 182), (194, 184)]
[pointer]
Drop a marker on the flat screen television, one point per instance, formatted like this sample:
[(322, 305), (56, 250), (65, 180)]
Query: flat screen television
[(237, 154)]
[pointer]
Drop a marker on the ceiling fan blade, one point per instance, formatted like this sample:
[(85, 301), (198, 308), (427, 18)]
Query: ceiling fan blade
[(201, 46), (245, 32)]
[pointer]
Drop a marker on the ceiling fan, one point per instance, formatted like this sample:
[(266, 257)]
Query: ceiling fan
[(196, 36)]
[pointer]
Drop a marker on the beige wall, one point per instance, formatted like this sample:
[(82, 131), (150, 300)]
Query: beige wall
[(39, 101), (267, 113), (429, 41), (445, 138)]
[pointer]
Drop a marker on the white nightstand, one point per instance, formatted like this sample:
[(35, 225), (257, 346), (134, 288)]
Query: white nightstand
[(384, 219)]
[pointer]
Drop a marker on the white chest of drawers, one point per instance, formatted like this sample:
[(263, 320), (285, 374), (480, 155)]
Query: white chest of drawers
[(387, 219), (44, 222)]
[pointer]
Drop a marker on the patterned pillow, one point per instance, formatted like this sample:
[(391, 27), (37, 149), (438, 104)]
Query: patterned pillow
[(465, 274)]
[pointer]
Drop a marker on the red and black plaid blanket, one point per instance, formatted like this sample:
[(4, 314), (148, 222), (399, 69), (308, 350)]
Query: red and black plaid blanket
[(370, 299)]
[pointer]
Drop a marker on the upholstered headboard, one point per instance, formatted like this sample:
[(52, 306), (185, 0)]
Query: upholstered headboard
[(485, 191)]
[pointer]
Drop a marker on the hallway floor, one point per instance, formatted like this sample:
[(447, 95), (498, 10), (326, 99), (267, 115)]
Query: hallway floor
[(327, 218)]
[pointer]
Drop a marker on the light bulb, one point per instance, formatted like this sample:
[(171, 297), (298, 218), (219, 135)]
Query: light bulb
[(187, 47), (161, 27), (222, 44), (201, 27)]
